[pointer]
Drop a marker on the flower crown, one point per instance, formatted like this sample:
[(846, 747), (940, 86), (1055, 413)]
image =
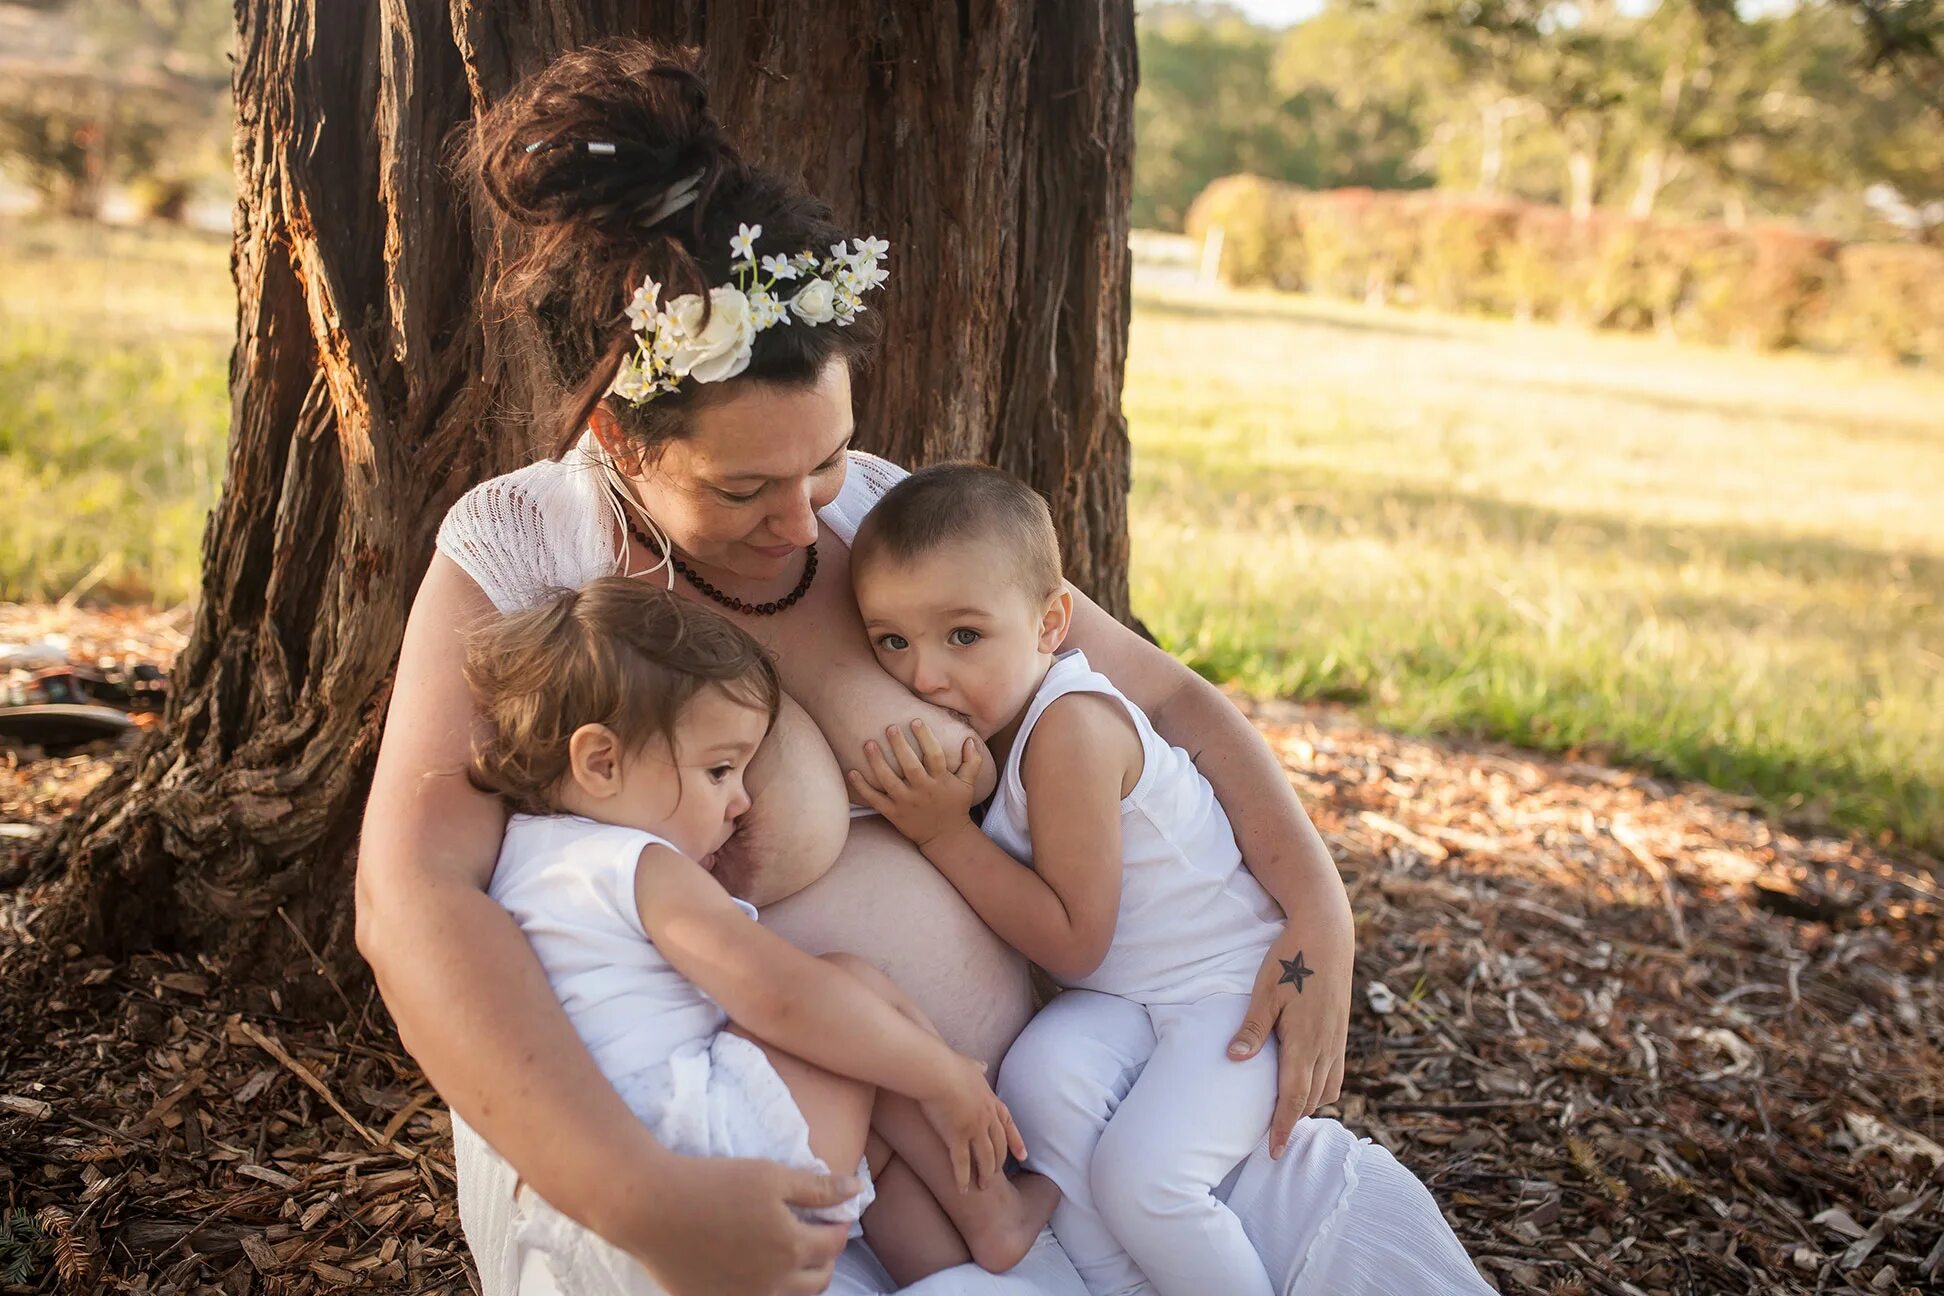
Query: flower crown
[(673, 342)]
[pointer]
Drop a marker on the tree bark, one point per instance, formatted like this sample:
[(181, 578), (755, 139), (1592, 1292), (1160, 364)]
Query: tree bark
[(991, 143)]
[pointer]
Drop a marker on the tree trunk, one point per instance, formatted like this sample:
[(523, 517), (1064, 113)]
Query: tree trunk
[(991, 144)]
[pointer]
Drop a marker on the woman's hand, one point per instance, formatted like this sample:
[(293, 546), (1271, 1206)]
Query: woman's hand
[(730, 1227), (974, 1125), (917, 790), (1308, 1009)]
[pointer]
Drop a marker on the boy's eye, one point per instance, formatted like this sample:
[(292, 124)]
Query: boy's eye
[(893, 642), (964, 637)]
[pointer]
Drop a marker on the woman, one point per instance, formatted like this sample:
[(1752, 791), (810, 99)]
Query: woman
[(608, 175)]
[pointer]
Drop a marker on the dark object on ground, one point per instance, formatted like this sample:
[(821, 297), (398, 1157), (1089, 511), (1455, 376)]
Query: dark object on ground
[(53, 725), (132, 686)]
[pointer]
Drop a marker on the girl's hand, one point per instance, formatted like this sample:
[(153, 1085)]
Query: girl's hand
[(732, 1229), (915, 790), (975, 1127), (1308, 1009)]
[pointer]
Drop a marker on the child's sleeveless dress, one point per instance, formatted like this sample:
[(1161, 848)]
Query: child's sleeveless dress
[(569, 883)]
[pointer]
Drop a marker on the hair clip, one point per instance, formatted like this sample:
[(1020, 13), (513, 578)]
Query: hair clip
[(600, 148)]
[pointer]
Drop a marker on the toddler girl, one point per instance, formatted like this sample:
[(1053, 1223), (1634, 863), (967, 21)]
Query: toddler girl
[(617, 723), (1104, 858)]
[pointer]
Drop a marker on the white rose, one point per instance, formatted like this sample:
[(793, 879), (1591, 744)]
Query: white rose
[(722, 349), (815, 302)]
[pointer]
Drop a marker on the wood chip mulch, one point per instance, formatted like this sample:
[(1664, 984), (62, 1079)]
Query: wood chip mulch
[(1637, 1039)]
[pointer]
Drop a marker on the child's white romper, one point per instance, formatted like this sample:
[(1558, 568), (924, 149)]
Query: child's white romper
[(569, 883), (1173, 989), (1194, 926)]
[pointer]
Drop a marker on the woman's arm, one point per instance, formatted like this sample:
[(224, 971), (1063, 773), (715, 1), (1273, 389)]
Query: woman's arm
[(1281, 848), (470, 999)]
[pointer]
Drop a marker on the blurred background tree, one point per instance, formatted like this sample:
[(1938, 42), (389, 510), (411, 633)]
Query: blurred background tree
[(128, 95), (1825, 113)]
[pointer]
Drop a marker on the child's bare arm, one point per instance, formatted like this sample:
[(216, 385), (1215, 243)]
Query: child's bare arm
[(1059, 913), (813, 1009)]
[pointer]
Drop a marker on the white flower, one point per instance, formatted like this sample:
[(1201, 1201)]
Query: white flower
[(641, 307), (668, 336), (767, 310), (631, 382), (744, 244), (719, 351), (777, 267), (871, 247), (815, 302), (871, 276)]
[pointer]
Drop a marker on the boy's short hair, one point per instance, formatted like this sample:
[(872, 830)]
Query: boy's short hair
[(616, 652), (962, 501)]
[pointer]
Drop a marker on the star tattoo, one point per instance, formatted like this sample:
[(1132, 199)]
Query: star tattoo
[(1294, 970)]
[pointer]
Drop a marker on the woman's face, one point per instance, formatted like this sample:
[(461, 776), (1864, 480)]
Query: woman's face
[(739, 496)]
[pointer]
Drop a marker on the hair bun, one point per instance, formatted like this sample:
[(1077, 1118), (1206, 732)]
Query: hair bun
[(599, 139)]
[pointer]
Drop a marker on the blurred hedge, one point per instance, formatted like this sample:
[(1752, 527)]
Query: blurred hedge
[(1761, 287)]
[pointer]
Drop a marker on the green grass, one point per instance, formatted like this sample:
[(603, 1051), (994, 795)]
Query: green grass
[(114, 351), (1722, 566)]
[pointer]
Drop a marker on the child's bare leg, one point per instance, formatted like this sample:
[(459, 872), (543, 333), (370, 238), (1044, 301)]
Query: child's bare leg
[(1000, 1221), (906, 1227)]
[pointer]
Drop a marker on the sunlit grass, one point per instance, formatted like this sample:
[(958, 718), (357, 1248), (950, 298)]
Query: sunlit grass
[(1725, 566), (114, 348)]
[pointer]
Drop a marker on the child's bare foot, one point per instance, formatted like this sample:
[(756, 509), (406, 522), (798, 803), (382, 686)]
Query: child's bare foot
[(1007, 1219)]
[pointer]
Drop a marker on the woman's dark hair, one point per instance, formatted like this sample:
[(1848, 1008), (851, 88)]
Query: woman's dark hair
[(574, 239)]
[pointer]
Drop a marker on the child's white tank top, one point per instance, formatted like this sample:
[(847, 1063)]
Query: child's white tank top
[(1193, 921), (569, 884)]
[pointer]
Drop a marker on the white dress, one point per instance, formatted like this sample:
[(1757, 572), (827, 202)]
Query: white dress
[(569, 883), (1336, 1215)]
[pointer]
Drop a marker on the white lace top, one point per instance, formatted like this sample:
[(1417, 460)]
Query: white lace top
[(548, 526)]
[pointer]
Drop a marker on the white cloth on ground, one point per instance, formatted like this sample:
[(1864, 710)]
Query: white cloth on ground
[(569, 882)]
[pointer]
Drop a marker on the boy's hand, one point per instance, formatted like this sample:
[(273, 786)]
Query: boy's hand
[(914, 790), (975, 1127)]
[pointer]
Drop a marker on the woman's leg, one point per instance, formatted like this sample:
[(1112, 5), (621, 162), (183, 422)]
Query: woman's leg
[(1189, 1119), (1063, 1081)]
